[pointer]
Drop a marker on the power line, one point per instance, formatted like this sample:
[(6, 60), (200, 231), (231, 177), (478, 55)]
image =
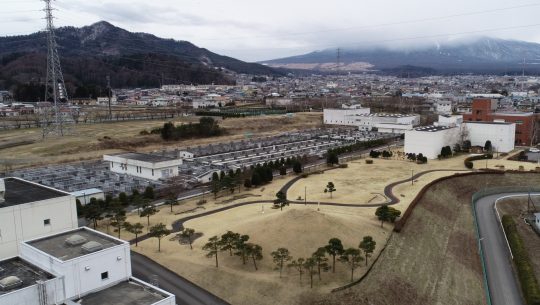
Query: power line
[(384, 24)]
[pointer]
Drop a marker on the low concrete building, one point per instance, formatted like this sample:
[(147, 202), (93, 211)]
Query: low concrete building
[(80, 266), (370, 121), (146, 166), (450, 120), (29, 210), (343, 116), (23, 283), (501, 134), (84, 196)]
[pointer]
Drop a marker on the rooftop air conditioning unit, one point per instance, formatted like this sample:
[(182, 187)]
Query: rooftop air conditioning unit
[(75, 240), (92, 246), (10, 282)]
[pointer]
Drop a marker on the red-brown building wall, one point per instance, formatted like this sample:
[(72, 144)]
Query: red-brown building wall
[(481, 111)]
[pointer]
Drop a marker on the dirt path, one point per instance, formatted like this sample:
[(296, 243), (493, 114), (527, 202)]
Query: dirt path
[(178, 225)]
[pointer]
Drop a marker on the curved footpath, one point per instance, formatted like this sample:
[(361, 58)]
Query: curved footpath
[(187, 292), (503, 287)]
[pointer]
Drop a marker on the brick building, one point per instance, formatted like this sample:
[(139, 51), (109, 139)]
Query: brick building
[(485, 110)]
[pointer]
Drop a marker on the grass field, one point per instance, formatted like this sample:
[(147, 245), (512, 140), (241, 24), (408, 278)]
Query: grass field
[(300, 228), (86, 141), (434, 260)]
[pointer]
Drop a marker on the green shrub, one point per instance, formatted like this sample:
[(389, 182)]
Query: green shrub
[(468, 161), (529, 283), (343, 165), (369, 161)]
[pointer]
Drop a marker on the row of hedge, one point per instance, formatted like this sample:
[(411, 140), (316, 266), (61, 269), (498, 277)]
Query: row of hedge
[(469, 161), (527, 278)]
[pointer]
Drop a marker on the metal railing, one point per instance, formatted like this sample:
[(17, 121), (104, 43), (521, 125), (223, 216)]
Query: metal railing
[(487, 192)]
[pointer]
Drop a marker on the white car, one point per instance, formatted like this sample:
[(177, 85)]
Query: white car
[(534, 150)]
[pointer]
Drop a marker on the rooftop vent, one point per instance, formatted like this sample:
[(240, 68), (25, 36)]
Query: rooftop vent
[(92, 246), (75, 240), (10, 282), (2, 191)]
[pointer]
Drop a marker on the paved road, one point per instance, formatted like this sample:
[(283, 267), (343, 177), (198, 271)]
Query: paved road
[(185, 291), (503, 286)]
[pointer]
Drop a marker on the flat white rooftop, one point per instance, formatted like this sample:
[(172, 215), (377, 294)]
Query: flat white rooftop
[(58, 246)]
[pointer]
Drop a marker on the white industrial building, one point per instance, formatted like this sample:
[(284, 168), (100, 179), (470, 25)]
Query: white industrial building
[(450, 120), (429, 140), (398, 122), (152, 167), (445, 107), (46, 260), (451, 130), (29, 210), (344, 115), (80, 266), (501, 134)]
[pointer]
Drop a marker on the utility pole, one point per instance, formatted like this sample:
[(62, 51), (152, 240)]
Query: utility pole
[(55, 88), (109, 93)]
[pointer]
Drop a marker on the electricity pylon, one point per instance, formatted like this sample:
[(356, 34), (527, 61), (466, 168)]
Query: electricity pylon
[(55, 88)]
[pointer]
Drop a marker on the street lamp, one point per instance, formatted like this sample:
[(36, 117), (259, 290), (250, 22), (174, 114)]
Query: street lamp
[(412, 177), (305, 195)]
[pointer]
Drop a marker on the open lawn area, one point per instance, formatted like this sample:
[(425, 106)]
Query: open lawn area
[(434, 260), (87, 141), (302, 229)]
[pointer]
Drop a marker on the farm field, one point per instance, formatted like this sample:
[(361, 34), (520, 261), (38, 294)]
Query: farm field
[(87, 142)]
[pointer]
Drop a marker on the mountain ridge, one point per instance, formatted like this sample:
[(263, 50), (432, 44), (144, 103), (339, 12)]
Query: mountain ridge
[(88, 54), (483, 55)]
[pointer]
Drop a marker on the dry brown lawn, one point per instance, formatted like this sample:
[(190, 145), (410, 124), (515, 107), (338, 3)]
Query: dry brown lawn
[(86, 141), (299, 228), (434, 260)]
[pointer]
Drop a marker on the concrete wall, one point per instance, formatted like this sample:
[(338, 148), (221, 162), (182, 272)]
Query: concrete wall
[(26, 221), (502, 136), (430, 143), (30, 295), (170, 300), (82, 275)]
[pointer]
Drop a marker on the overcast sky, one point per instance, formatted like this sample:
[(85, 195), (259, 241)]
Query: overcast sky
[(257, 30)]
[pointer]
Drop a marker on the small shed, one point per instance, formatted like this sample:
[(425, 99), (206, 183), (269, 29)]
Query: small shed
[(84, 196)]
